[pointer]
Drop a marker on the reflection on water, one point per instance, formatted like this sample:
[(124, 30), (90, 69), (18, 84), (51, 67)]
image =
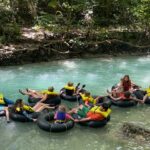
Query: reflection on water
[(98, 75)]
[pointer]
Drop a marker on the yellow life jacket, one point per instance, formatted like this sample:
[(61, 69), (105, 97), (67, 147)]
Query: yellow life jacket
[(2, 99), (60, 121), (49, 93), (96, 109), (28, 108), (25, 107), (89, 99), (69, 87), (148, 91)]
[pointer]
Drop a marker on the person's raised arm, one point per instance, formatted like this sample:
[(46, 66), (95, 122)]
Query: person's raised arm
[(133, 84)]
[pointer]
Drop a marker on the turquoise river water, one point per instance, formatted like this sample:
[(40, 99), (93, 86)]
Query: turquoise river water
[(98, 74)]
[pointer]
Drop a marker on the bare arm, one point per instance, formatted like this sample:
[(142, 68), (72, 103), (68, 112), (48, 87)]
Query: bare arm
[(133, 84), (84, 119), (113, 98), (86, 103), (137, 100), (71, 118)]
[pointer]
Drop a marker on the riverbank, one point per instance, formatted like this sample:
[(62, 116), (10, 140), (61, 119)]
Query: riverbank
[(45, 46)]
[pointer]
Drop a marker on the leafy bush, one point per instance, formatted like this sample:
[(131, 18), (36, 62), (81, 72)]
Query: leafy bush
[(44, 19), (9, 32)]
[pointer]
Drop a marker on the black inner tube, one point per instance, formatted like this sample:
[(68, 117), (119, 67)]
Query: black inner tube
[(124, 103), (45, 122), (33, 99), (73, 98), (92, 124), (140, 95), (20, 117), (52, 101), (147, 100)]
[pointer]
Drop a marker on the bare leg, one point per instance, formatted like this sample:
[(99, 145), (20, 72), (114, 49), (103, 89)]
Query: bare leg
[(37, 106), (32, 93), (74, 110), (144, 98), (43, 107), (7, 114), (84, 119)]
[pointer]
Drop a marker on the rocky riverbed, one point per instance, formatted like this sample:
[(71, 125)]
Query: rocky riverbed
[(42, 46)]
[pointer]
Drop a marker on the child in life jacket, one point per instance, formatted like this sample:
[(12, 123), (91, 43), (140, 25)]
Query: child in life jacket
[(69, 89), (61, 116), (96, 113), (20, 108), (88, 99)]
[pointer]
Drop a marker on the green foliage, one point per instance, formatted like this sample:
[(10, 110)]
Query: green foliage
[(68, 14), (6, 16), (44, 19), (142, 11), (9, 32), (52, 3)]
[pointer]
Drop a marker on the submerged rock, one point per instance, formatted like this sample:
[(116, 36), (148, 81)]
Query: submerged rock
[(137, 132)]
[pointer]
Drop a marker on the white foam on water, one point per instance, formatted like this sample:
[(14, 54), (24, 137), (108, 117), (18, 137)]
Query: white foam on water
[(44, 76), (123, 65), (146, 80), (70, 64), (98, 75), (20, 68), (91, 76), (7, 75), (144, 59), (118, 148)]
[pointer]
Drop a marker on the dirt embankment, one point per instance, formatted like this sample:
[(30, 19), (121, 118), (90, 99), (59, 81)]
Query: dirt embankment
[(41, 46)]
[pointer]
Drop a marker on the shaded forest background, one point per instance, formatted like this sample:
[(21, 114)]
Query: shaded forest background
[(127, 20)]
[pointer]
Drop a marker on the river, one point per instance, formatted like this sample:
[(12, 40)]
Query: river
[(98, 74)]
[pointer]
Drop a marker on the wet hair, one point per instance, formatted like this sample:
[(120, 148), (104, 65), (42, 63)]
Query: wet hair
[(126, 76), (62, 108), (51, 88), (86, 93), (18, 102), (113, 87), (135, 87), (105, 106), (127, 94), (70, 84)]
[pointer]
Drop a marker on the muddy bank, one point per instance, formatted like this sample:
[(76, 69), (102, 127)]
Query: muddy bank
[(64, 49)]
